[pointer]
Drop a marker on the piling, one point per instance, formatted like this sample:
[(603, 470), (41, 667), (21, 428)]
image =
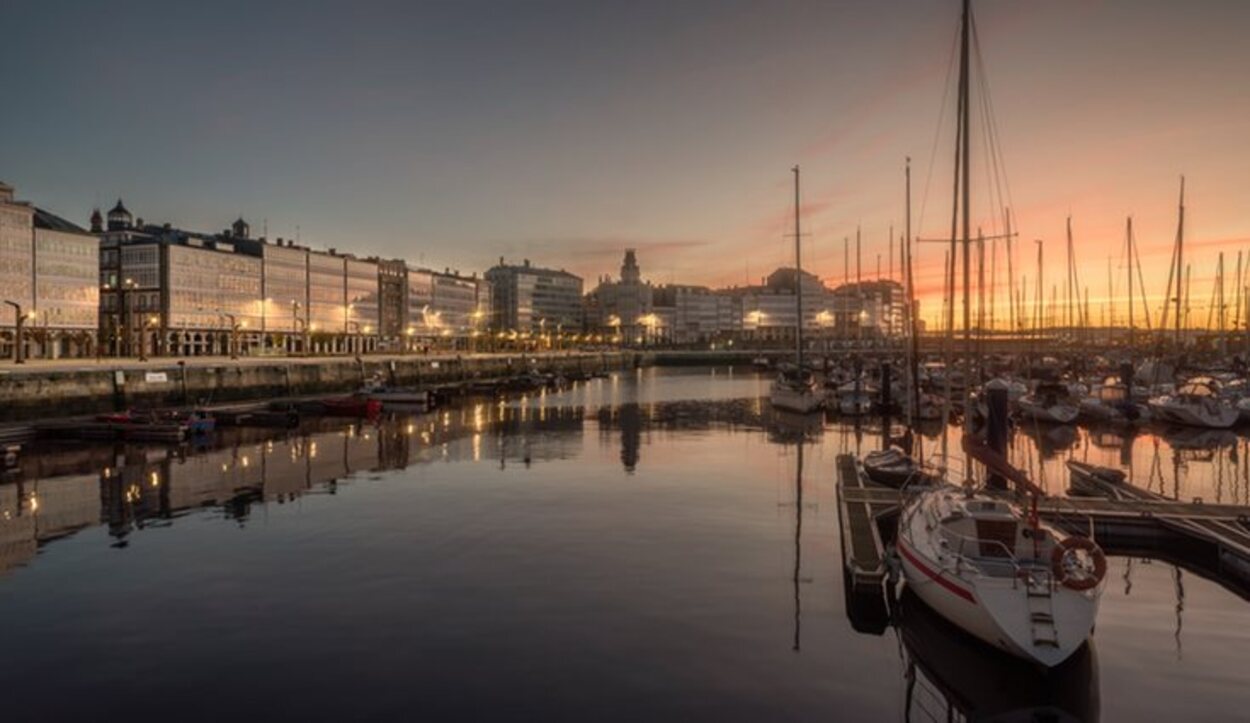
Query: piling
[(996, 431)]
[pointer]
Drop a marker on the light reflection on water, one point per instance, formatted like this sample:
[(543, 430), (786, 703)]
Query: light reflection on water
[(625, 549)]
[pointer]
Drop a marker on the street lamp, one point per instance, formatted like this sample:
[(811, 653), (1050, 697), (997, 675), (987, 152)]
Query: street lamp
[(234, 334), (148, 323), (19, 353)]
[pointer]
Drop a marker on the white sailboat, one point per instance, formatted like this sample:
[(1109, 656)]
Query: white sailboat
[(996, 571), (978, 557), (794, 390)]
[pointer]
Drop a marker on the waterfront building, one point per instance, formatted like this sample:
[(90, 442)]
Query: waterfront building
[(392, 302), (67, 289), (284, 279), (49, 268), (165, 290), (446, 308), (363, 312), (455, 303), (768, 310), (698, 315), (624, 307), (327, 301), (17, 264), (870, 309), (530, 299)]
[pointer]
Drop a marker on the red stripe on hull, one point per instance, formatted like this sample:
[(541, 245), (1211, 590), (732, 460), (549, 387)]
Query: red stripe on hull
[(936, 577)]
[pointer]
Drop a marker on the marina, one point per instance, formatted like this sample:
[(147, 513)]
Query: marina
[(640, 361), (696, 493)]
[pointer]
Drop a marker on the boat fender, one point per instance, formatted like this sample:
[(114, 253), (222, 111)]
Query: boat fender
[(1083, 580)]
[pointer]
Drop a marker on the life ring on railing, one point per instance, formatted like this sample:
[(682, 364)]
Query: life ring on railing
[(1073, 572)]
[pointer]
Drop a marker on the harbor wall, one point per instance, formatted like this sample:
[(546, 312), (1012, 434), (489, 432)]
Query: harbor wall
[(34, 394)]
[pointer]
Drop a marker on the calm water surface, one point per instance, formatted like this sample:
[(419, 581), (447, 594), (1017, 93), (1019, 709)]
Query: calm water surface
[(640, 547)]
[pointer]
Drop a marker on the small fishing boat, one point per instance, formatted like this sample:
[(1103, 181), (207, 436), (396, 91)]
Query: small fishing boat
[(1196, 403), (395, 396), (1050, 402)]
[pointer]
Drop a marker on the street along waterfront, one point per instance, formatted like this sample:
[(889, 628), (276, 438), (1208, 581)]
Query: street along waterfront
[(637, 546)]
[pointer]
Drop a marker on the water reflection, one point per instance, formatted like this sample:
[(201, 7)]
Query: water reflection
[(662, 556), (951, 676)]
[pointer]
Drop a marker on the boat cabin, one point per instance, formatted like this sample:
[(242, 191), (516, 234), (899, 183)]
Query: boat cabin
[(990, 534)]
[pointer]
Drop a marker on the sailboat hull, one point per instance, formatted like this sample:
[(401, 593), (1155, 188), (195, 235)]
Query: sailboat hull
[(994, 609), (791, 398)]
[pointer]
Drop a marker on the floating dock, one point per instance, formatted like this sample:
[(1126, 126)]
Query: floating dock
[(1210, 540)]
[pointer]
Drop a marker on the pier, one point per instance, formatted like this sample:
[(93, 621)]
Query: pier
[(1210, 540)]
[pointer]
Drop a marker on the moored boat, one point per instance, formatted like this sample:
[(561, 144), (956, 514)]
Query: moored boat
[(1049, 402), (1196, 403), (997, 572)]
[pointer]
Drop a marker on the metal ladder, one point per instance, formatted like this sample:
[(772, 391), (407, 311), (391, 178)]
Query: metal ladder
[(1038, 592)]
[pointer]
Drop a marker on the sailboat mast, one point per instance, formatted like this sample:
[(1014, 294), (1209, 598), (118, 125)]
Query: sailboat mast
[(1180, 262), (1128, 241), (911, 303), (965, 161), (798, 278)]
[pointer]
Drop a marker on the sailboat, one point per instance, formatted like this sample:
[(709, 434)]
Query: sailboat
[(980, 558), (794, 390)]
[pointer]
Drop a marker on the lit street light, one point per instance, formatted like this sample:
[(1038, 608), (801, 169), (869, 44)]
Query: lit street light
[(19, 352)]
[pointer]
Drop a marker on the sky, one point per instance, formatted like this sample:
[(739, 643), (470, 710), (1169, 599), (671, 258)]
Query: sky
[(455, 133)]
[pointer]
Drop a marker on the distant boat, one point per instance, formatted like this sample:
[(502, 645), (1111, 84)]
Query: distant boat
[(855, 398), (1111, 402), (795, 390), (1196, 403), (1050, 402)]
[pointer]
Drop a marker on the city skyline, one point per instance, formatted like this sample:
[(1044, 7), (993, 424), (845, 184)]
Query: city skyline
[(451, 136)]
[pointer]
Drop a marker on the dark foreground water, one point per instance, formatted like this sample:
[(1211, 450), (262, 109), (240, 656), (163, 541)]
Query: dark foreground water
[(637, 548)]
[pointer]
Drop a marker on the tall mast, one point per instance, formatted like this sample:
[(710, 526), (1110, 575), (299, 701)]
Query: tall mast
[(911, 302), (1180, 262), (798, 279), (965, 136), (1011, 277), (1128, 241), (1220, 315), (859, 291), (1068, 311)]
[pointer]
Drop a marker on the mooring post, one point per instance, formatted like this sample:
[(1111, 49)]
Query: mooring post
[(886, 400), (996, 432)]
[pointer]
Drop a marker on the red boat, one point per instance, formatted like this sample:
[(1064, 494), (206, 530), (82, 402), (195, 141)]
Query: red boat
[(352, 406)]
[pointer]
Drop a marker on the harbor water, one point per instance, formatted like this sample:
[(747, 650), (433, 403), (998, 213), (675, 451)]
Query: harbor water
[(639, 547)]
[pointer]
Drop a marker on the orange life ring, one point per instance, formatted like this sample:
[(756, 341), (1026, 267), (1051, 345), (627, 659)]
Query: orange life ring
[(1060, 570)]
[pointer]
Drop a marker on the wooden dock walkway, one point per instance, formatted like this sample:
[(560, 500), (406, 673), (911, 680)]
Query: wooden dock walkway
[(1211, 539)]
